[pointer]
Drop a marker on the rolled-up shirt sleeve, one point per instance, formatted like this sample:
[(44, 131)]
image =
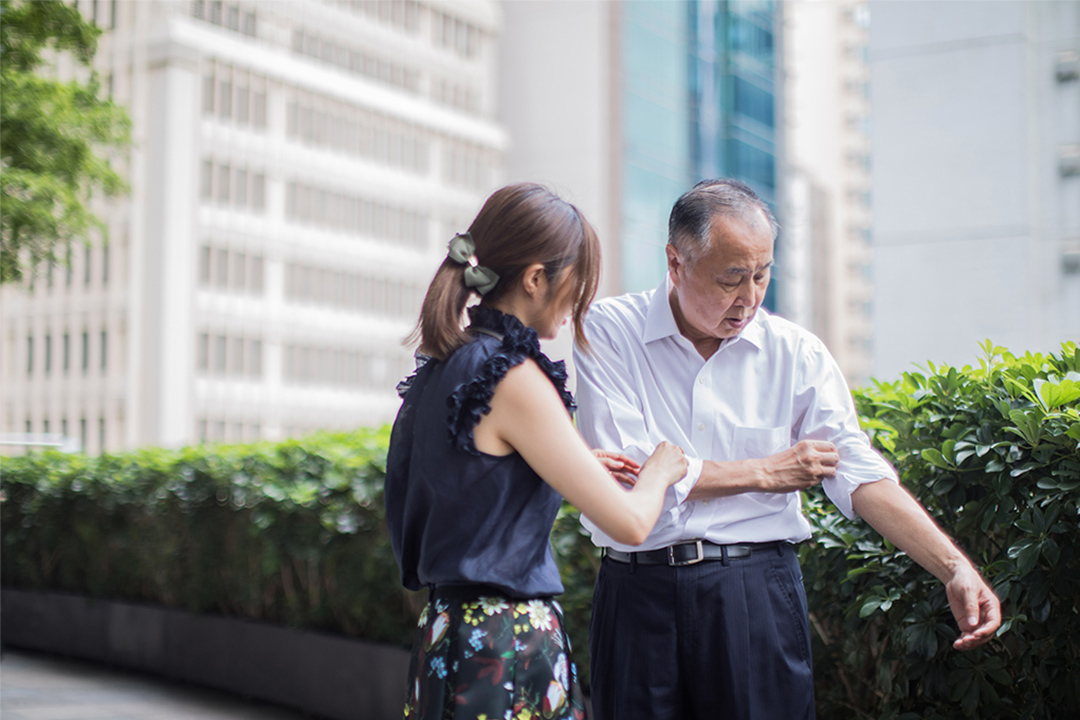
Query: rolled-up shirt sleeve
[(825, 410), (611, 416)]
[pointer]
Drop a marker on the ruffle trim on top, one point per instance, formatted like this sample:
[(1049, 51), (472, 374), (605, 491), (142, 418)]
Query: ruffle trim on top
[(404, 385), (472, 400)]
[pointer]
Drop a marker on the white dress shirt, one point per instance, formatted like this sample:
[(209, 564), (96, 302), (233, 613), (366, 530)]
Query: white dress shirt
[(764, 390)]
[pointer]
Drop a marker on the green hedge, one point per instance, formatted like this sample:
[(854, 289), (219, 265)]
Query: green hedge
[(994, 453), (291, 533), (294, 533)]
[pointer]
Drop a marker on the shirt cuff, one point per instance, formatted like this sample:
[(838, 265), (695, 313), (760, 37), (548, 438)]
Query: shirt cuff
[(840, 487), (681, 490)]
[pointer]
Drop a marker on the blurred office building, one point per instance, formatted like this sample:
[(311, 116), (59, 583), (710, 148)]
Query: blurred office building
[(298, 169), (824, 261), (976, 175), (622, 106)]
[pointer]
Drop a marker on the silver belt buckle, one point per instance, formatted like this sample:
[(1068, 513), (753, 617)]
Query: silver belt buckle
[(699, 555)]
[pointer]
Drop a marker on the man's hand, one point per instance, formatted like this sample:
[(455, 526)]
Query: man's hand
[(801, 466), (622, 468), (975, 607)]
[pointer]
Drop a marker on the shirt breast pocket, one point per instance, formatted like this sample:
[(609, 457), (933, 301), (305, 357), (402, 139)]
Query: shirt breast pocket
[(751, 442)]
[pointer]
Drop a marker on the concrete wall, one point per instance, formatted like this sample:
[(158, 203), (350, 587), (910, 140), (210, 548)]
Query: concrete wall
[(971, 213)]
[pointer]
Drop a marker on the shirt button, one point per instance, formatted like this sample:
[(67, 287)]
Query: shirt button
[(701, 381), (701, 426)]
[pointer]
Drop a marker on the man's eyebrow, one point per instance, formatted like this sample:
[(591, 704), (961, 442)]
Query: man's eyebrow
[(746, 271)]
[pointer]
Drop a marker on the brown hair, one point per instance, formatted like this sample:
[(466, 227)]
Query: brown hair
[(519, 225)]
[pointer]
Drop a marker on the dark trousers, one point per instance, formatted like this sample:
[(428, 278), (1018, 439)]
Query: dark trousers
[(721, 639)]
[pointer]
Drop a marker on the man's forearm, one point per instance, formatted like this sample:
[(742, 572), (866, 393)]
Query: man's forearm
[(894, 513), (900, 519), (801, 466), (724, 479)]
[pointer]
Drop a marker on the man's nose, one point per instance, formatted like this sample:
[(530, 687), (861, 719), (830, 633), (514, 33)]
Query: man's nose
[(748, 294)]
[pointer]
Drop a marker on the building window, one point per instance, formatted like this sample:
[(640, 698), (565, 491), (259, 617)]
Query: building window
[(105, 264), (236, 357), (104, 350), (240, 187), (29, 355), (204, 265), (208, 85), (258, 110), (85, 351), (219, 355), (258, 192), (223, 183), (82, 434), (225, 98), (256, 279), (221, 271), (202, 353), (254, 359), (67, 352)]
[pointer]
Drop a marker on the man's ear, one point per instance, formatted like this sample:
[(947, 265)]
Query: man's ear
[(534, 280), (676, 267)]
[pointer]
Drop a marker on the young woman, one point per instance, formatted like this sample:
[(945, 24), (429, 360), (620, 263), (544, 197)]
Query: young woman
[(481, 451)]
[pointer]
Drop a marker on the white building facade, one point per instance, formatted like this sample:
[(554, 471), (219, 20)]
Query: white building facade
[(297, 172), (976, 175), (824, 261)]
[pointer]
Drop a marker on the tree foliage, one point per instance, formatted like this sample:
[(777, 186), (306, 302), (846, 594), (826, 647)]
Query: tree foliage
[(54, 137)]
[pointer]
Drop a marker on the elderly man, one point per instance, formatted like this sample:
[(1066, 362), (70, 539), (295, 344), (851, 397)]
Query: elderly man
[(708, 618)]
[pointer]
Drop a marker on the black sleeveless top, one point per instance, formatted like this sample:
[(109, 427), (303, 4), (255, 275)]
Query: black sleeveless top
[(456, 515)]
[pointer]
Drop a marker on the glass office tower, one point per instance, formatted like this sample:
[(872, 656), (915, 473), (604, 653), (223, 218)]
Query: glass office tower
[(698, 100)]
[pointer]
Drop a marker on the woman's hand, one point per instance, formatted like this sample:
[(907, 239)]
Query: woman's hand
[(668, 461), (622, 468)]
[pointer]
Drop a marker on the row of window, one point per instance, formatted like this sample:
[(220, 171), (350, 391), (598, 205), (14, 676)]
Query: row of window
[(231, 270), (233, 94), (65, 429), (68, 269), (355, 215), (355, 60), (221, 430), (462, 96), (402, 14), (229, 356), (228, 15), (454, 34), (324, 123), (455, 94), (100, 12), (352, 291), (468, 165), (60, 356), (335, 367), (236, 186)]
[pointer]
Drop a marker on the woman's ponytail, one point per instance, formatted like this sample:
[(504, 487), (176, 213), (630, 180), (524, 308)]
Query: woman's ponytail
[(442, 313)]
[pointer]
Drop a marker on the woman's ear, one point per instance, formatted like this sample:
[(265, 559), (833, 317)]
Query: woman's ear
[(534, 280)]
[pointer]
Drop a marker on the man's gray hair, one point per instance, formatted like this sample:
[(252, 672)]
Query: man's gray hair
[(690, 225)]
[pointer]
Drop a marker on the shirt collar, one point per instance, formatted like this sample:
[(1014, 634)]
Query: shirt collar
[(660, 321)]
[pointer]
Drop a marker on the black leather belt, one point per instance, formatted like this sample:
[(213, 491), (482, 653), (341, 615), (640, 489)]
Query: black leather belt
[(690, 553)]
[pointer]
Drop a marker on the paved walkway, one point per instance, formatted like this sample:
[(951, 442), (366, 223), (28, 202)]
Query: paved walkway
[(44, 687)]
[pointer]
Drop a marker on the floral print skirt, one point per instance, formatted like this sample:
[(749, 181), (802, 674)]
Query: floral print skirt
[(492, 658)]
